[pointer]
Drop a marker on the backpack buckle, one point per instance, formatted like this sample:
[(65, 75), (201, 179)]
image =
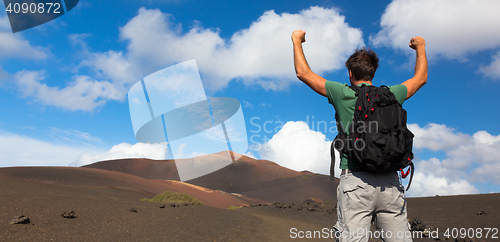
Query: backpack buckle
[(404, 174)]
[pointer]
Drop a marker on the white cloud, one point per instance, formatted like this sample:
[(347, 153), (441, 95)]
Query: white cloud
[(14, 45), (114, 66), (469, 158), (428, 184), (452, 28), (493, 69), (260, 54), (73, 136), (251, 155), (18, 150), (157, 151), (3, 75), (437, 137), (462, 150), (82, 93), (299, 148)]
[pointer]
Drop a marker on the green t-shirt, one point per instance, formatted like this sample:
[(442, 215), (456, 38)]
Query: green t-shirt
[(343, 100)]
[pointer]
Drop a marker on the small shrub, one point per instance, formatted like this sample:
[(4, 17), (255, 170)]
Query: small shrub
[(172, 197)]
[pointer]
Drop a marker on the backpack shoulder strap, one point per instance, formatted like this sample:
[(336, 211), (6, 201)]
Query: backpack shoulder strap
[(332, 165), (412, 167), (356, 89)]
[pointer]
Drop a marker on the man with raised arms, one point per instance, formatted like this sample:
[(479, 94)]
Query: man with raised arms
[(362, 195)]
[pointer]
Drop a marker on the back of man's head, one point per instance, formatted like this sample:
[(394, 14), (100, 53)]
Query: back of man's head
[(363, 64)]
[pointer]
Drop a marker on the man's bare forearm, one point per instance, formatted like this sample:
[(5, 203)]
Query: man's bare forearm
[(421, 68), (302, 69), (299, 59), (420, 77)]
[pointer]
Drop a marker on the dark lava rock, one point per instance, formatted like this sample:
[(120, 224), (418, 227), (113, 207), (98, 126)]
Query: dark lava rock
[(417, 225), (133, 210), (481, 213), (20, 220), (70, 215), (311, 209), (162, 206)]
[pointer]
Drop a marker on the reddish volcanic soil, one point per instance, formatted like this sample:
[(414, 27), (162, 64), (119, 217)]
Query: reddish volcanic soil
[(111, 180), (261, 179), (102, 200)]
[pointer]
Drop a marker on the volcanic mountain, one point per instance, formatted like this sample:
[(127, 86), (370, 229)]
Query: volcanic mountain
[(261, 179)]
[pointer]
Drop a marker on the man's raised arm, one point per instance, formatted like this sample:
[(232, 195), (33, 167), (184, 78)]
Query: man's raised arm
[(420, 77), (304, 73)]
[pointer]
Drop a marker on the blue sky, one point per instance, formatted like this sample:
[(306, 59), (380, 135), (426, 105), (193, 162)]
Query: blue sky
[(64, 84)]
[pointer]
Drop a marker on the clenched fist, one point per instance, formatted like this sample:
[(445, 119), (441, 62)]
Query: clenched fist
[(416, 42), (299, 36)]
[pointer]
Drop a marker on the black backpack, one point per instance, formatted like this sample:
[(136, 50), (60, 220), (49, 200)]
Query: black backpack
[(378, 139)]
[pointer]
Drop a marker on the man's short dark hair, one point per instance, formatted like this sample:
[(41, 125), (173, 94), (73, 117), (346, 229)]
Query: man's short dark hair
[(363, 64)]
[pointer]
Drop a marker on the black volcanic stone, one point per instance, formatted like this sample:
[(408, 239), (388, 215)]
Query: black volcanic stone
[(70, 215), (417, 225), (162, 206), (21, 219), (133, 210)]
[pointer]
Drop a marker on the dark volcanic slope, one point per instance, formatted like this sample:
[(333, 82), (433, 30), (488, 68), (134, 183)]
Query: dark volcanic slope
[(246, 170), (145, 168), (256, 178), (112, 180), (100, 216), (457, 211)]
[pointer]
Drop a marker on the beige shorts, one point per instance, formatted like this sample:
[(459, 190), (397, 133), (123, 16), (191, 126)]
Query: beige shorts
[(363, 197)]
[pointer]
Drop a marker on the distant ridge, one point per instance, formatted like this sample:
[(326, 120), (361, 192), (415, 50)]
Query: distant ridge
[(261, 179)]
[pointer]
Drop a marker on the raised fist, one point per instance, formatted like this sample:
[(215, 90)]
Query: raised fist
[(299, 36), (416, 42)]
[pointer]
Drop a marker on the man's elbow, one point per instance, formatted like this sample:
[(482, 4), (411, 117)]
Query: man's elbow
[(424, 80), (301, 75)]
